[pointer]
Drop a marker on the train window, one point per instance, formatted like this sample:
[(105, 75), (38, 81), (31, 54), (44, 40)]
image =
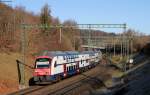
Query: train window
[(72, 57), (86, 60), (55, 64), (64, 57), (68, 57), (70, 67), (43, 63), (42, 60)]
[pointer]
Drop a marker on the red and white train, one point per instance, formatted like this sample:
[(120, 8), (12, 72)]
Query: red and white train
[(54, 66)]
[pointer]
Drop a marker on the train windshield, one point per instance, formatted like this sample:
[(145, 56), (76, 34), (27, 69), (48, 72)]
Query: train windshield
[(43, 63)]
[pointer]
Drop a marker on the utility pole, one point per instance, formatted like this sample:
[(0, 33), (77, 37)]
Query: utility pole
[(60, 35), (23, 52), (89, 39), (125, 48), (114, 46)]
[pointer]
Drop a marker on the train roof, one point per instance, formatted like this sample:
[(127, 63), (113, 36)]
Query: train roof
[(60, 53), (65, 53)]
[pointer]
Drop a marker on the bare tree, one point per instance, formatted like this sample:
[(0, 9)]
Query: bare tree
[(45, 17)]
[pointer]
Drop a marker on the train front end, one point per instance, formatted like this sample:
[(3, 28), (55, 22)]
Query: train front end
[(42, 69)]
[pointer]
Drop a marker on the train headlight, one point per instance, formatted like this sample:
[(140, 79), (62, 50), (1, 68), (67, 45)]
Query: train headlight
[(65, 74), (36, 71)]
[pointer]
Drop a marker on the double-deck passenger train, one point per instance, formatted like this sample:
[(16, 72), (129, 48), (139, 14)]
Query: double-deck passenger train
[(56, 65)]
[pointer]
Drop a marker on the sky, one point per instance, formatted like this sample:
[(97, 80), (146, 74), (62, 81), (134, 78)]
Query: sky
[(135, 13)]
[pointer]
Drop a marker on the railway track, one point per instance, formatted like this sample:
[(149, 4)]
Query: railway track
[(67, 85), (27, 90), (68, 88)]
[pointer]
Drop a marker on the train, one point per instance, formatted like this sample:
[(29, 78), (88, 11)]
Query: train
[(53, 66)]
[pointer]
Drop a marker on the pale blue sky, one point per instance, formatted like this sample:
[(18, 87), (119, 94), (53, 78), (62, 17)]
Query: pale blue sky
[(135, 13)]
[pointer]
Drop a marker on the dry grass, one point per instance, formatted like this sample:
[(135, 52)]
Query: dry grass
[(116, 59), (8, 66), (9, 73)]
